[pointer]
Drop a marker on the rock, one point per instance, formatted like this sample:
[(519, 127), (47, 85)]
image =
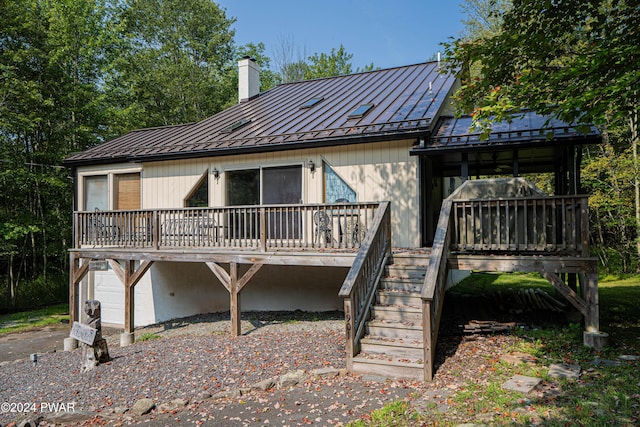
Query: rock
[(628, 357), (291, 379), (563, 370), (325, 372), (203, 395), (180, 402), (605, 362), (119, 410), (265, 385), (143, 406), (521, 383), (234, 392), (69, 418)]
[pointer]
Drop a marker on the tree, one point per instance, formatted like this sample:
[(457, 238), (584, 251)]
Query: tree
[(176, 55), (574, 60), (52, 55), (336, 63)]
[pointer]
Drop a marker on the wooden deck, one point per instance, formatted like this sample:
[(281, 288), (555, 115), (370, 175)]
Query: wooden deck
[(131, 241), (531, 232)]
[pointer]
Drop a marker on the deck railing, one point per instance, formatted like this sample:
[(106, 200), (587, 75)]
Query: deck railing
[(259, 227), (531, 225), (358, 289), (553, 224)]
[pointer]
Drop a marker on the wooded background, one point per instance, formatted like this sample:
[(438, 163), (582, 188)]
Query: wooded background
[(74, 73)]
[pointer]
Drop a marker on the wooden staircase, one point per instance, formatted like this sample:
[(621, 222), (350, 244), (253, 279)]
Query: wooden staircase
[(393, 343)]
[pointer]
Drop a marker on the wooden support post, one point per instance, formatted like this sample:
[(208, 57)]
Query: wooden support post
[(567, 292), (592, 316), (234, 306), (426, 337), (129, 277), (464, 168), (350, 332), (74, 264), (516, 164)]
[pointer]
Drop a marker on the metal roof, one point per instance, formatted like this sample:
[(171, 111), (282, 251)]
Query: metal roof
[(406, 102), (525, 128)]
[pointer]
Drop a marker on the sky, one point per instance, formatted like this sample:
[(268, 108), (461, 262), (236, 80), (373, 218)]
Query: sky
[(387, 33)]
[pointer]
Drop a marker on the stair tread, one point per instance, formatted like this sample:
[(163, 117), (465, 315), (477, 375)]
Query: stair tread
[(381, 359), (395, 307), (399, 292), (392, 342), (395, 324)]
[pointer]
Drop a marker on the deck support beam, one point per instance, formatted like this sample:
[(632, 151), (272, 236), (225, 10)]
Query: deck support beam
[(234, 285), (129, 276)]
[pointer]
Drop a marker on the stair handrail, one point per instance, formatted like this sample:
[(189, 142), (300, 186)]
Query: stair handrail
[(358, 288), (434, 286)]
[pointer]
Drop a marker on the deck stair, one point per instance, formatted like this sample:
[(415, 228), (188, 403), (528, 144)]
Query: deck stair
[(393, 344)]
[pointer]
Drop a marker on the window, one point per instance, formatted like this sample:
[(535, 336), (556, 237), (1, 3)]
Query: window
[(310, 103), (361, 111), (237, 125), (335, 188), (199, 196), (127, 196), (243, 187), (96, 193)]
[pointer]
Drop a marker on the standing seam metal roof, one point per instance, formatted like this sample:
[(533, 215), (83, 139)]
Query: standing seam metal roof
[(406, 101)]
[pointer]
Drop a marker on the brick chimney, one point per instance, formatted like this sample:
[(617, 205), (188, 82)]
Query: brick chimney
[(248, 78)]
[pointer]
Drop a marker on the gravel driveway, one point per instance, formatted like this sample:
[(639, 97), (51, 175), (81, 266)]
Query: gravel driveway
[(197, 374)]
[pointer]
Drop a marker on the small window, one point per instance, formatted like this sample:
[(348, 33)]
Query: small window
[(199, 196), (95, 193), (310, 103), (335, 188), (236, 125), (361, 110)]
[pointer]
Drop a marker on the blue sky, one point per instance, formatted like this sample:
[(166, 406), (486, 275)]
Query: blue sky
[(388, 33)]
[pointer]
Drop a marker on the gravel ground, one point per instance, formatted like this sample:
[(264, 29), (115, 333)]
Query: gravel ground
[(196, 357)]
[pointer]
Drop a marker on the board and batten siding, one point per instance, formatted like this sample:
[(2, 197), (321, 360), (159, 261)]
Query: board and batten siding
[(376, 171)]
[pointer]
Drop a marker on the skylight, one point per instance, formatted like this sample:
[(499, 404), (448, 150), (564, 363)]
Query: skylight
[(310, 103), (236, 125), (361, 110)]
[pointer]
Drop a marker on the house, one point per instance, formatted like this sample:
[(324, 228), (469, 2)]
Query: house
[(298, 197)]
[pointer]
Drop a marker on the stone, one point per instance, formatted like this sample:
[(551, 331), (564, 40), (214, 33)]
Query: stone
[(119, 410), (174, 405), (521, 383), (98, 352), (69, 418), (517, 358), (227, 394), (563, 370), (325, 372), (596, 340), (628, 357), (203, 395), (143, 406), (606, 362), (265, 385), (291, 379)]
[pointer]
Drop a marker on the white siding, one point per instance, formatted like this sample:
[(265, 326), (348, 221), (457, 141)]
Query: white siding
[(376, 171)]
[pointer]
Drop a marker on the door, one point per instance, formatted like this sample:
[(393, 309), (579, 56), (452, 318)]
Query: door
[(282, 186)]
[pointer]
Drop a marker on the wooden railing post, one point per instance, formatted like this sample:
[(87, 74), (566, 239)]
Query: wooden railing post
[(263, 229), (156, 230)]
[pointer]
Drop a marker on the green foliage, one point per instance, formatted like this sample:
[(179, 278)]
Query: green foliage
[(337, 63), (148, 336), (25, 320), (173, 63)]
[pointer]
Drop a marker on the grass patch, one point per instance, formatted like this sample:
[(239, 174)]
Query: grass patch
[(148, 336), (394, 414), (482, 283), (26, 320)]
